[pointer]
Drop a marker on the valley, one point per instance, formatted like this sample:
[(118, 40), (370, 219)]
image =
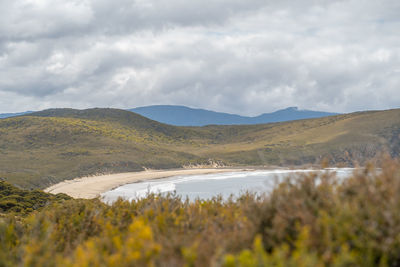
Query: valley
[(44, 148)]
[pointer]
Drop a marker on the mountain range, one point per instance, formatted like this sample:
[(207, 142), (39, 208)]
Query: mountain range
[(186, 116)]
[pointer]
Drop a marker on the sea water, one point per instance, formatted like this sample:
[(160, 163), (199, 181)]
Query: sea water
[(206, 186)]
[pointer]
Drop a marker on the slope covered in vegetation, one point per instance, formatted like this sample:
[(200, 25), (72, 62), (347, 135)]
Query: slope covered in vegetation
[(305, 221), (53, 145), (19, 201)]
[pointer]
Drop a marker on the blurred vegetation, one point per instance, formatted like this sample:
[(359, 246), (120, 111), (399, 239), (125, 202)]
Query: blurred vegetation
[(47, 147), (308, 220)]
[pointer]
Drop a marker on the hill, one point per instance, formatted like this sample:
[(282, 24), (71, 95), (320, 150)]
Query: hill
[(185, 116), (46, 147)]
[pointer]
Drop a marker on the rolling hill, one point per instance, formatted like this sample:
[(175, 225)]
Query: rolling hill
[(43, 148), (185, 116)]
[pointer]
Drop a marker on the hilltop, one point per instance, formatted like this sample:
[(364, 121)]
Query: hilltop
[(185, 116), (44, 148)]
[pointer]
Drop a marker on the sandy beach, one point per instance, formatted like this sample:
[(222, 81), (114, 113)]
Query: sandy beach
[(93, 186)]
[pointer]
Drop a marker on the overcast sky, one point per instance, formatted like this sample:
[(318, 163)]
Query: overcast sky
[(238, 56)]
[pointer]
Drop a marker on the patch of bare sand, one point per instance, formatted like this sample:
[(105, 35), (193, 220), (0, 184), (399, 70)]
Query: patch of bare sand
[(93, 186)]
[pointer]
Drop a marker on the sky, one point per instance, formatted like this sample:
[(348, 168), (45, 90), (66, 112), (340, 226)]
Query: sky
[(239, 56)]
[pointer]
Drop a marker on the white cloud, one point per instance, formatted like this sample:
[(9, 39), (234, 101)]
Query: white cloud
[(237, 56)]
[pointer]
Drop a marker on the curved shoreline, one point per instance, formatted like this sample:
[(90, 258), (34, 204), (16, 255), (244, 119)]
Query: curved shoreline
[(93, 186)]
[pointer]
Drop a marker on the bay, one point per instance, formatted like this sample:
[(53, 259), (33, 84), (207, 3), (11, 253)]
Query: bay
[(211, 185)]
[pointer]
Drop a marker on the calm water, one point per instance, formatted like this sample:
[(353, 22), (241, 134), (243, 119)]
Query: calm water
[(210, 185)]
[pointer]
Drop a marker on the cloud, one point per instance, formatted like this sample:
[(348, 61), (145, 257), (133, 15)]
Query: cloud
[(244, 57)]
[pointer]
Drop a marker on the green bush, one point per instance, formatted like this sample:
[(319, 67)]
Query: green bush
[(13, 199)]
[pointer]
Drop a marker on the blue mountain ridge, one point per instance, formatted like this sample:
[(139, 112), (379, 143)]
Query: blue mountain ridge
[(9, 115), (185, 116)]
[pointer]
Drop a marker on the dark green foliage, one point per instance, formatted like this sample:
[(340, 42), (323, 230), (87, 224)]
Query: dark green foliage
[(15, 200)]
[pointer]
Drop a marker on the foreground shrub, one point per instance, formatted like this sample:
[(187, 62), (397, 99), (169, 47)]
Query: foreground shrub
[(309, 220)]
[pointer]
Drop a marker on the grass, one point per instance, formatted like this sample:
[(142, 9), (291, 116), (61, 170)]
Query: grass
[(308, 220), (50, 146)]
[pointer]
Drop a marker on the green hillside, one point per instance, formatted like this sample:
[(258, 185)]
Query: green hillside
[(53, 145)]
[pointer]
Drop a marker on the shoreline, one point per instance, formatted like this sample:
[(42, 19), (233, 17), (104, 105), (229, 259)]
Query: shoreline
[(93, 186)]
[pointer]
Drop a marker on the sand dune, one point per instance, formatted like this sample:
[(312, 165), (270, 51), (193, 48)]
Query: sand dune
[(93, 186)]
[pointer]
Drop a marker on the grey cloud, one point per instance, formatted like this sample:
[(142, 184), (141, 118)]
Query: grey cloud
[(244, 57), (30, 20)]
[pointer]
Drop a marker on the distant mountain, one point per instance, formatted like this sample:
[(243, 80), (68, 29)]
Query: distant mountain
[(8, 115), (185, 116)]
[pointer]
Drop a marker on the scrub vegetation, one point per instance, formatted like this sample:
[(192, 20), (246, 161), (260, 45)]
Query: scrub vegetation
[(19, 201), (307, 220), (47, 147)]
